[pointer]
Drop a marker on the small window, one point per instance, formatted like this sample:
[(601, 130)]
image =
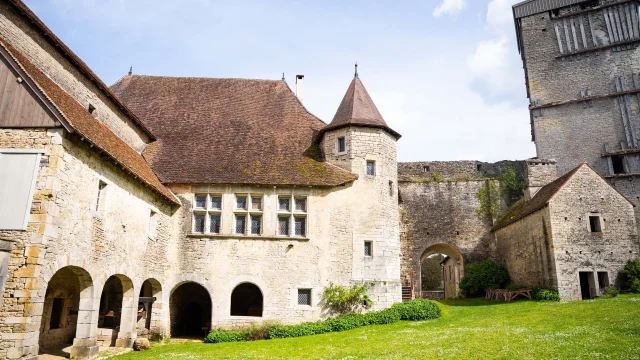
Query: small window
[(57, 308), (241, 224), (301, 204), (426, 168), (101, 189), (284, 204), (91, 108), (368, 248), (618, 164), (214, 223), (341, 145), (153, 219), (371, 167), (283, 225), (256, 203), (198, 223), (201, 201), (241, 202), (256, 224), (304, 297), (594, 224), (300, 226), (216, 202), (478, 167), (390, 188)]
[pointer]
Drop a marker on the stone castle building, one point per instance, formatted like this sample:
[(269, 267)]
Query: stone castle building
[(164, 206)]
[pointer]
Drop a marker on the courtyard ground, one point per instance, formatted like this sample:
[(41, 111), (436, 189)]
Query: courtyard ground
[(606, 328)]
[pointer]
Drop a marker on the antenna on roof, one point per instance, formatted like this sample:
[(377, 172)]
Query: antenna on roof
[(282, 76), (356, 74), (131, 71)]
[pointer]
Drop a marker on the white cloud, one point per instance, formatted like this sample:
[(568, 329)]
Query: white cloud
[(449, 7), (500, 15)]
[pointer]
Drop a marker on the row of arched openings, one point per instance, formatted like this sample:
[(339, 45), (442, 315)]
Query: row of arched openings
[(69, 298)]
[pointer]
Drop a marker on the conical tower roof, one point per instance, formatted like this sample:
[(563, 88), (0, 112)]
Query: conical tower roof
[(357, 109)]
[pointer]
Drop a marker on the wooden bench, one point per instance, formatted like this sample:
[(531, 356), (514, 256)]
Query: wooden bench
[(507, 295)]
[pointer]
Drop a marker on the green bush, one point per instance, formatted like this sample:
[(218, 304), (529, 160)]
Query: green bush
[(383, 317), (221, 336), (418, 309), (631, 275), (289, 331), (483, 275), (546, 294), (342, 300), (612, 291)]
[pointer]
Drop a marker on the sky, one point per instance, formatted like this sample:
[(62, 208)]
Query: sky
[(446, 74)]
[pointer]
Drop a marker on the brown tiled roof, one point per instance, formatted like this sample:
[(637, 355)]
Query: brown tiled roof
[(357, 109), (522, 208), (80, 65), (84, 124), (229, 131)]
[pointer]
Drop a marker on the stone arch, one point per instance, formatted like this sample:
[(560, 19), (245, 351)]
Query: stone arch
[(116, 312), (246, 300), (452, 267), (67, 313), (190, 309), (149, 315)]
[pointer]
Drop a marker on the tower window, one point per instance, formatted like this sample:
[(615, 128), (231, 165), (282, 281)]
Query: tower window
[(618, 164), (390, 188), (426, 168), (101, 189), (91, 108), (342, 146), (371, 167), (594, 224), (368, 248)]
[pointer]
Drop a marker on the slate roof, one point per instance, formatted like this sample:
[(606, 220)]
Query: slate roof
[(79, 120), (522, 208), (79, 64), (229, 131), (357, 109)]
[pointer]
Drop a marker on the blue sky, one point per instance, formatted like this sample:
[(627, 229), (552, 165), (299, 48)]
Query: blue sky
[(444, 73)]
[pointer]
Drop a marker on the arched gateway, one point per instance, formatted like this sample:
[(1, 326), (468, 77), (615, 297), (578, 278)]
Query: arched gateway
[(451, 268), (190, 310)]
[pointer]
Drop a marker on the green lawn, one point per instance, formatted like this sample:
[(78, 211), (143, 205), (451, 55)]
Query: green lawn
[(603, 328)]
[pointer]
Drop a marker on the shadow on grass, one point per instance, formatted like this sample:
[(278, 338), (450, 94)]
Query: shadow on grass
[(479, 302)]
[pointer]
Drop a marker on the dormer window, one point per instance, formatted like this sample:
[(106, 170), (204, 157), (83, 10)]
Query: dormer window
[(342, 145)]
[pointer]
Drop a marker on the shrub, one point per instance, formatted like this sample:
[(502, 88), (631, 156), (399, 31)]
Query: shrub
[(259, 331), (383, 317), (289, 331), (483, 275), (612, 291), (346, 300), (418, 309), (545, 294), (631, 275), (221, 336)]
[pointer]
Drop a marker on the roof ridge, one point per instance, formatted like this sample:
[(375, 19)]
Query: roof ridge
[(199, 77)]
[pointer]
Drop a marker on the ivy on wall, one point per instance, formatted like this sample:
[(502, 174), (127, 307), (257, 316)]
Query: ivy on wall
[(489, 198)]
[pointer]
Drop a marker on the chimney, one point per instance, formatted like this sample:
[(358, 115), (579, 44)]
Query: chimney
[(300, 87), (538, 173)]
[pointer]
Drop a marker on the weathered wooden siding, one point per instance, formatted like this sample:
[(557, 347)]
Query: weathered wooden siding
[(19, 107)]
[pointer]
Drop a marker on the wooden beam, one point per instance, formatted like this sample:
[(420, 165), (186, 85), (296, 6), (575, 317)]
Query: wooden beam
[(595, 8)]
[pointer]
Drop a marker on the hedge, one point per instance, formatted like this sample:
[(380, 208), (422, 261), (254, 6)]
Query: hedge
[(545, 294), (412, 310)]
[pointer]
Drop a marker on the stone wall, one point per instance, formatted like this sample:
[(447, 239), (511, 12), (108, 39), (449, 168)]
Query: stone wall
[(64, 229), (525, 248), (575, 248), (31, 42)]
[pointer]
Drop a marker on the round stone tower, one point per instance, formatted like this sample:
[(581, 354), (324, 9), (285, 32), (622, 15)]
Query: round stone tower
[(359, 140)]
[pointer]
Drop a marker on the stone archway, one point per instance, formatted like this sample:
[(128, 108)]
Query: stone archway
[(246, 300), (149, 315), (451, 266), (67, 314), (190, 309), (116, 313)]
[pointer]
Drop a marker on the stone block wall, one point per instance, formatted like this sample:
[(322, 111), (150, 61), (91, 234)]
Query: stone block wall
[(575, 248), (65, 230), (526, 249), (24, 36)]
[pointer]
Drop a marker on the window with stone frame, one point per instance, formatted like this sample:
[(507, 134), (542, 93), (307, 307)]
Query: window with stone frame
[(368, 248), (341, 144), (153, 223), (292, 216), (248, 214), (207, 213), (371, 167), (595, 225), (304, 297)]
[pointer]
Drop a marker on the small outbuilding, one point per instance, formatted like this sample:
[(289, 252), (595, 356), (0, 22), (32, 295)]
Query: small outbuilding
[(574, 233)]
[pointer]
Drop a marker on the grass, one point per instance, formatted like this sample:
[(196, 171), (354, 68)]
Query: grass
[(607, 328)]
